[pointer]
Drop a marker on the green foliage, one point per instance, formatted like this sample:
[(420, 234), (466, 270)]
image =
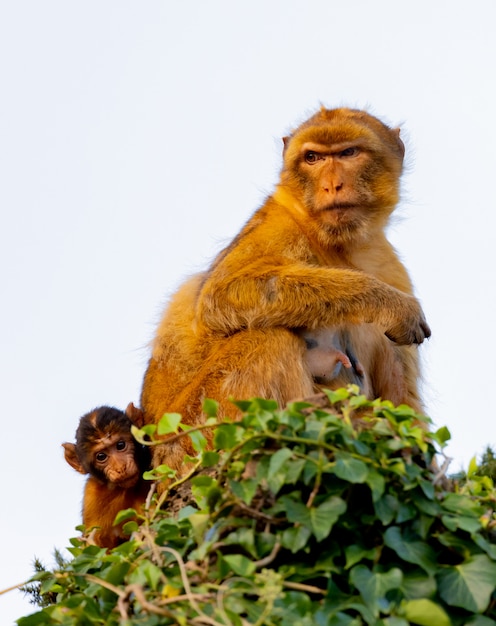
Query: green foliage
[(488, 463), (302, 517)]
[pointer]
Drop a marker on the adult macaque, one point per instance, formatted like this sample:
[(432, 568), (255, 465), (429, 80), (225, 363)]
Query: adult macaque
[(313, 258), (106, 450)]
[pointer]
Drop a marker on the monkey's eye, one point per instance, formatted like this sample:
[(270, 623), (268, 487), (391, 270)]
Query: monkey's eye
[(120, 445), (311, 156), (101, 457), (349, 152)]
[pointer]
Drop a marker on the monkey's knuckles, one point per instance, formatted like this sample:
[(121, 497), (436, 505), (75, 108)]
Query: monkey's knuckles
[(408, 332)]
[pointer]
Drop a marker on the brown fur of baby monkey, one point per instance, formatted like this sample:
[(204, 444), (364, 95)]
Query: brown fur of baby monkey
[(106, 450)]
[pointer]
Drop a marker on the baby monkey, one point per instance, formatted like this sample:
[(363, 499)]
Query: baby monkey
[(106, 450), (331, 359)]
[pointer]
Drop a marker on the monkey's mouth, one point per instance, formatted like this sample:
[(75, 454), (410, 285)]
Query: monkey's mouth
[(341, 207), (339, 212)]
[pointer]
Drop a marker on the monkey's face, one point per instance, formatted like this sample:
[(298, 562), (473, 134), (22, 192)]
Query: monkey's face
[(344, 167), (114, 460)]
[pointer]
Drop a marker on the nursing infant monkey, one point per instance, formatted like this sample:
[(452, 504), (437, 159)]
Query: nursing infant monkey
[(311, 271)]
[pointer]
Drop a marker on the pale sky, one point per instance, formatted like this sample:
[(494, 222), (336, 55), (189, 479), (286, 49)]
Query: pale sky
[(135, 140)]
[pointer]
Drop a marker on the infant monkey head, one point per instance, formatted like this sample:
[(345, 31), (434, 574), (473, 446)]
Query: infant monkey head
[(106, 449)]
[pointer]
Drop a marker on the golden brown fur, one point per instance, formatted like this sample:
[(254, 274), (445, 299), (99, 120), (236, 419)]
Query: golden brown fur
[(313, 257)]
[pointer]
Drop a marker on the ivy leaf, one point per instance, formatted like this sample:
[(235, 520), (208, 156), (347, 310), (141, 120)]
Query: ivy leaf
[(377, 484), (350, 469), (462, 505), (470, 584), (210, 407), (198, 441), (276, 475), (124, 515), (417, 552), (226, 437), (417, 585), (209, 459), (480, 620), (373, 586), (337, 396), (295, 538), (160, 472), (355, 553), (324, 516), (442, 435), (452, 522), (320, 519), (241, 565), (245, 489), (146, 573), (143, 434), (278, 459), (168, 424), (386, 508), (425, 613)]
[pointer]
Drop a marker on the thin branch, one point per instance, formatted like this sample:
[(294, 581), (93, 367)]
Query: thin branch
[(27, 582), (121, 593), (190, 595), (269, 558), (302, 587), (145, 605)]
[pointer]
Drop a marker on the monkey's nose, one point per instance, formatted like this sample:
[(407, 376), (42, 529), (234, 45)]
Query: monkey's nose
[(332, 187)]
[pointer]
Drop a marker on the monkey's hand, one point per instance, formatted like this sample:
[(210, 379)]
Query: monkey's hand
[(410, 326)]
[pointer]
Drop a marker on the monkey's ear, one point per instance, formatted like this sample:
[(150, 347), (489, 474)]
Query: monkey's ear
[(401, 145), (135, 415), (72, 458)]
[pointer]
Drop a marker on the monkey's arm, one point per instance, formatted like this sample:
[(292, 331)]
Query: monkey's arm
[(267, 294)]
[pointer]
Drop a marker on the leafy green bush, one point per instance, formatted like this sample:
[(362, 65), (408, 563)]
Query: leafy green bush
[(308, 516)]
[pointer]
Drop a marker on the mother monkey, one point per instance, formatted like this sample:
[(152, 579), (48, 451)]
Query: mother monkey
[(313, 261)]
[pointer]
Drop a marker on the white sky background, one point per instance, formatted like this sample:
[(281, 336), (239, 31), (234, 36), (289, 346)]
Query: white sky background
[(135, 140)]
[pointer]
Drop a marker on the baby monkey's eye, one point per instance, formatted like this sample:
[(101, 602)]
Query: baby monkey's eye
[(120, 445), (100, 457), (311, 156)]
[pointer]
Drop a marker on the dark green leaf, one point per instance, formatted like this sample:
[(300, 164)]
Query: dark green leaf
[(226, 436), (296, 538), (209, 459), (417, 552), (386, 508), (325, 515), (416, 585), (245, 489), (462, 505), (356, 553), (480, 620), (350, 469), (373, 586), (377, 484)]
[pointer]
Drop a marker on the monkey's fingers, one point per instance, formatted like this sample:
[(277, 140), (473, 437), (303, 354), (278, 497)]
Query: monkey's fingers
[(405, 335), (342, 358)]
